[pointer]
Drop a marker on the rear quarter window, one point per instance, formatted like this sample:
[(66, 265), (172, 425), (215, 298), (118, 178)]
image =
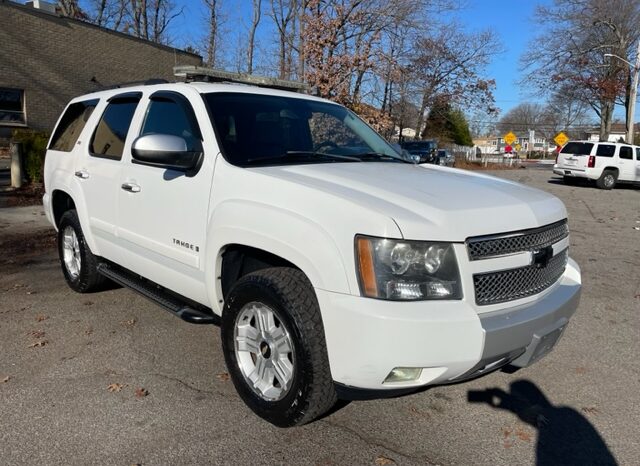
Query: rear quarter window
[(577, 148), (71, 125), (605, 150)]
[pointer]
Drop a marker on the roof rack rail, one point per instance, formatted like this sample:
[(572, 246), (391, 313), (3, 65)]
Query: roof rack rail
[(192, 73), (146, 82)]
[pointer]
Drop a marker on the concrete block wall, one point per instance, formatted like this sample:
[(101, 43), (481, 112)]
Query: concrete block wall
[(55, 59)]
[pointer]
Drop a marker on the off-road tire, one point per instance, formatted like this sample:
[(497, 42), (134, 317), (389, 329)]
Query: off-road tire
[(604, 182), (289, 294), (88, 279)]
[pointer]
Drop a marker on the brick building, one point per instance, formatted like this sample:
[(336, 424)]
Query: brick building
[(45, 60)]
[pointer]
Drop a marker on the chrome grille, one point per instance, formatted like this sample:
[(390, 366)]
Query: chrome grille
[(507, 285), (483, 247)]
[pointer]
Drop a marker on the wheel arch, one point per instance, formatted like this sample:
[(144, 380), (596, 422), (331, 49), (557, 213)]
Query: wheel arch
[(61, 201)]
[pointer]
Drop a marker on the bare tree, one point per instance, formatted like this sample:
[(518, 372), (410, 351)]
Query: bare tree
[(213, 7), (257, 13), (448, 65), (71, 9), (285, 14), (570, 51), (150, 19)]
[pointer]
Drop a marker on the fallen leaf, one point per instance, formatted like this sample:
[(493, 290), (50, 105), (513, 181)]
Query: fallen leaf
[(523, 435), (128, 323), (141, 392), (87, 303), (115, 387), (41, 317), (590, 409), (224, 376), (88, 331), (6, 379), (382, 460), (38, 344), (36, 333)]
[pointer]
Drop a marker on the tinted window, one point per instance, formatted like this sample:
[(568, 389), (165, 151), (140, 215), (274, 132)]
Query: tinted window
[(258, 129), (71, 125), (419, 145), (626, 153), (577, 148), (169, 117), (605, 150), (108, 139), (637, 153), (12, 106)]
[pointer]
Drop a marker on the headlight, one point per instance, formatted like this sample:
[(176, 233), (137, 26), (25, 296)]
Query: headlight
[(407, 270)]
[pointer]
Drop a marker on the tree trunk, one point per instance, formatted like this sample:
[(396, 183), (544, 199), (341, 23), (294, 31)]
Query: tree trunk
[(257, 5), (423, 108), (213, 32), (606, 117)]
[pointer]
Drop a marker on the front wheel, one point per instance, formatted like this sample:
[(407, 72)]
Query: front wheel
[(274, 347)]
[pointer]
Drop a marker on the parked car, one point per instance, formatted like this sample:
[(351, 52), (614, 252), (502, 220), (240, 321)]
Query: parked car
[(607, 163), (445, 157), (426, 150), (334, 267)]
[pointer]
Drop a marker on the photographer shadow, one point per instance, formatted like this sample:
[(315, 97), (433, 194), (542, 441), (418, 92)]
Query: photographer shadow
[(564, 435)]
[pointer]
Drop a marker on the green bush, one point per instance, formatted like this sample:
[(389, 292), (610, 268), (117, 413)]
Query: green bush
[(34, 148)]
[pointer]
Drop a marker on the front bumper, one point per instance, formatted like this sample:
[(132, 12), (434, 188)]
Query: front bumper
[(450, 341)]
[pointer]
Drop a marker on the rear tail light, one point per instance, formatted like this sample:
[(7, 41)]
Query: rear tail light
[(592, 161)]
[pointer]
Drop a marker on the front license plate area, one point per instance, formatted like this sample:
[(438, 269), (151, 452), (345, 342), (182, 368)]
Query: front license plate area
[(540, 346)]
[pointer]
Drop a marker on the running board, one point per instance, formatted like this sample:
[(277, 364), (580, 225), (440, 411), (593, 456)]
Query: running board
[(159, 295)]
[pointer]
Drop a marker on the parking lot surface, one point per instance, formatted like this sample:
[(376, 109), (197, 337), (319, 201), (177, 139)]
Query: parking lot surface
[(109, 378)]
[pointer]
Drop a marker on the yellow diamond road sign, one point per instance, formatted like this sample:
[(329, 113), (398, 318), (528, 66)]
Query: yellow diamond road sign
[(510, 138), (561, 139)]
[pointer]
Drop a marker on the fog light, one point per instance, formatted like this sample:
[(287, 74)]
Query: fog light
[(403, 374)]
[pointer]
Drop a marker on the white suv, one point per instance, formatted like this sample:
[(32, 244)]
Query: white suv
[(335, 267), (605, 162)]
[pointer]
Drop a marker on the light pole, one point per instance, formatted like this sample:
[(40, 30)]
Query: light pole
[(635, 69)]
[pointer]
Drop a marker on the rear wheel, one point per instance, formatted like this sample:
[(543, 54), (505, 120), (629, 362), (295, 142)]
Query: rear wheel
[(79, 265), (274, 347), (607, 180)]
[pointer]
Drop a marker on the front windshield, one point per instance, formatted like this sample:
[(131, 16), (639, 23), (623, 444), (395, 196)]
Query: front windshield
[(256, 129)]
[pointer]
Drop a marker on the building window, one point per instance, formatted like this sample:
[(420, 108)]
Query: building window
[(12, 107)]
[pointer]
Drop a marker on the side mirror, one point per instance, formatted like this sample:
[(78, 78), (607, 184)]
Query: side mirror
[(165, 151)]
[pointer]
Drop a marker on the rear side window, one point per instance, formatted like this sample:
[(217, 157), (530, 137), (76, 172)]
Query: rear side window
[(111, 132), (605, 150), (638, 153), (577, 148), (71, 125), (626, 153)]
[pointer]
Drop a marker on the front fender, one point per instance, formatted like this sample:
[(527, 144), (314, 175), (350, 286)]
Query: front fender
[(286, 234)]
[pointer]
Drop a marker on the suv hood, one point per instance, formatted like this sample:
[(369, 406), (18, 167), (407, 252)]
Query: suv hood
[(430, 202)]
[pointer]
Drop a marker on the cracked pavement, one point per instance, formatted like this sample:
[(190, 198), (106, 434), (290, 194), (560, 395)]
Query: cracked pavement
[(62, 350)]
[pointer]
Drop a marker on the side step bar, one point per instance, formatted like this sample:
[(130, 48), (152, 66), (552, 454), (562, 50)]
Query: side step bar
[(166, 299)]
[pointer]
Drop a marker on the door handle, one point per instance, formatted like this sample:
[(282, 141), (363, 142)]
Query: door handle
[(83, 175), (131, 187)]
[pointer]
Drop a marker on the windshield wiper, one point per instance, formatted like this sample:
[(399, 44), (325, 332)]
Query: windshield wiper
[(302, 156), (379, 156)]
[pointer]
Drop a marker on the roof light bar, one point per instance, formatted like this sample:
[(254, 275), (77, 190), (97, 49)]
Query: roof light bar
[(200, 73)]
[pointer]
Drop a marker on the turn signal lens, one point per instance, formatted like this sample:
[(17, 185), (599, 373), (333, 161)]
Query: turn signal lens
[(365, 265)]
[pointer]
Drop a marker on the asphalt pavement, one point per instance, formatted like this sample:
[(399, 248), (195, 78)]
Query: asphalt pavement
[(110, 378)]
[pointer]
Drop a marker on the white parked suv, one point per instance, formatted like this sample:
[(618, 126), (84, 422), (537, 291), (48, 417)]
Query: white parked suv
[(335, 267), (607, 163)]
